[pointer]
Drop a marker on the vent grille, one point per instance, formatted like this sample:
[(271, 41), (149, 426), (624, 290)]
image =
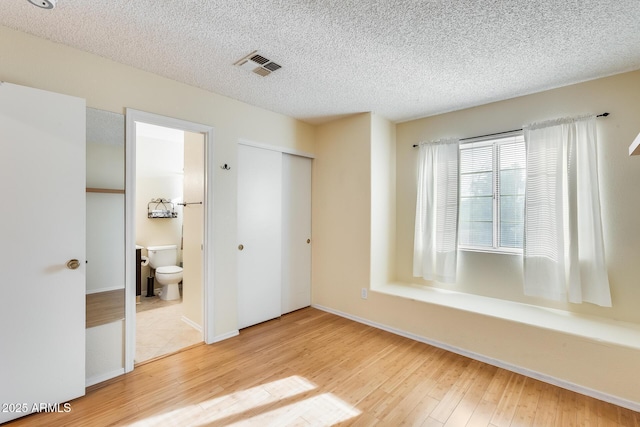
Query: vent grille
[(259, 59), (258, 64), (272, 66), (262, 72)]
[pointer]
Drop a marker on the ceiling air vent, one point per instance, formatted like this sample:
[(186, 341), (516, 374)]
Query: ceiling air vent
[(259, 59), (258, 64), (271, 66), (262, 72)]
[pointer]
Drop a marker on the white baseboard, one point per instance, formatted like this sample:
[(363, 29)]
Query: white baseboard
[(191, 323), (103, 377), (634, 406), (225, 336)]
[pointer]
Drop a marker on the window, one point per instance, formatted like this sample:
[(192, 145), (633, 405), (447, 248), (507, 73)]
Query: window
[(492, 184)]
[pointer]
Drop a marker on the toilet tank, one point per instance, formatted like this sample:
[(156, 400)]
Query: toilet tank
[(161, 256)]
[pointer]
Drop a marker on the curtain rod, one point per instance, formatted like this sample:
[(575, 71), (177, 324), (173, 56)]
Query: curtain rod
[(501, 133)]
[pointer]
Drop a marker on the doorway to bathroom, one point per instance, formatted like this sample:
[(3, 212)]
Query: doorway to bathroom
[(169, 231), (167, 204)]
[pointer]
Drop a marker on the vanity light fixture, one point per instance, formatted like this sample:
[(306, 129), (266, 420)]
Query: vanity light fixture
[(44, 4)]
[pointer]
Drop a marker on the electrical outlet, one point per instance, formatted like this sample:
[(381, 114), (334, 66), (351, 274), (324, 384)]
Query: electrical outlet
[(363, 293)]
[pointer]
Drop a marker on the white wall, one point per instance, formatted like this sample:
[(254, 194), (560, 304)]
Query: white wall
[(105, 245), (105, 352), (105, 238), (105, 220)]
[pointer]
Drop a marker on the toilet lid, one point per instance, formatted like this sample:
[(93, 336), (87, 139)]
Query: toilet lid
[(169, 269)]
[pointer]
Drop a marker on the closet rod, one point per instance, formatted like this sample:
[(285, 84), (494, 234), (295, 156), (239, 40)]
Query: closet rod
[(501, 133)]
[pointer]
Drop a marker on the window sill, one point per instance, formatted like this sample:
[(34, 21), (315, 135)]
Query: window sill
[(599, 329), (491, 251)]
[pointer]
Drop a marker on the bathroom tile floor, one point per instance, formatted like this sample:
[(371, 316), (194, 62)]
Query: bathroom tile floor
[(154, 302), (161, 330)]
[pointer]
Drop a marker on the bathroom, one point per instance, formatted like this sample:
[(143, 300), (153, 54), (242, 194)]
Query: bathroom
[(169, 231)]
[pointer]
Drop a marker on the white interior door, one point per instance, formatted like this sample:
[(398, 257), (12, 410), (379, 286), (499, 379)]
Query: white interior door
[(296, 232), (42, 307), (259, 235)]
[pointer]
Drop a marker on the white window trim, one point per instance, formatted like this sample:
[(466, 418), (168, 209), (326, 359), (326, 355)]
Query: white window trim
[(492, 140)]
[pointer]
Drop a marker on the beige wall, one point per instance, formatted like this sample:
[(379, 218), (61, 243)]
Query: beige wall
[(347, 159), (110, 86), (341, 214), (500, 276), (347, 169), (194, 173), (159, 174), (383, 200), (107, 85)]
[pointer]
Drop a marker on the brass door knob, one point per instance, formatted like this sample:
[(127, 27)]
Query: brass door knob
[(240, 247), (308, 240), (72, 264)]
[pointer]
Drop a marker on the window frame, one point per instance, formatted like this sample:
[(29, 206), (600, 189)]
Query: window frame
[(495, 141)]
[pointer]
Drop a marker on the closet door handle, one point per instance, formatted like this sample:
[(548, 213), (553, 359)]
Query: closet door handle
[(240, 247), (72, 264), (308, 240)]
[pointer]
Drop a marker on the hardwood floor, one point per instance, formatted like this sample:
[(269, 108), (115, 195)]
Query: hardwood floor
[(315, 368)]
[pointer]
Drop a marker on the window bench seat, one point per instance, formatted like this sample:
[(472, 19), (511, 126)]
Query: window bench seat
[(599, 329)]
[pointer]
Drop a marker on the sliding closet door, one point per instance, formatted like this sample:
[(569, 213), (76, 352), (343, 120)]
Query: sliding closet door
[(296, 232), (259, 235)]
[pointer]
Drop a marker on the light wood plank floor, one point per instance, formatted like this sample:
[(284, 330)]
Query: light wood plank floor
[(314, 368)]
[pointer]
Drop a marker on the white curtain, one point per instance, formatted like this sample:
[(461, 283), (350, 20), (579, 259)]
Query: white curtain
[(563, 244), (436, 227)]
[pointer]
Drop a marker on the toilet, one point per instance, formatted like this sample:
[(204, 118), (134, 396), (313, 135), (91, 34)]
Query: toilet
[(168, 274)]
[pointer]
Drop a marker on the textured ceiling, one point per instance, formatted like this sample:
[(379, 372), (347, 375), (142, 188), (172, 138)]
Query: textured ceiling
[(401, 59)]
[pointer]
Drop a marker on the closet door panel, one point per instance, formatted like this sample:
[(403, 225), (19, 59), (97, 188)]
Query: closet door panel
[(296, 232), (259, 235)]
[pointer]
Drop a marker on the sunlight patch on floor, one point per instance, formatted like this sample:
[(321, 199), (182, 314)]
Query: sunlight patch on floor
[(325, 409), (246, 400), (230, 405)]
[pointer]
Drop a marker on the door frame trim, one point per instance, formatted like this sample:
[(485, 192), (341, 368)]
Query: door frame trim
[(284, 150), (132, 116)]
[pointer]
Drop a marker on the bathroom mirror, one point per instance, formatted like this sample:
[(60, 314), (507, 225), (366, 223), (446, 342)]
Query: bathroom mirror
[(105, 275)]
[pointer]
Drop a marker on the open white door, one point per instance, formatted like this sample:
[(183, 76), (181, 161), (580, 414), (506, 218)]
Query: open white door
[(42, 307)]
